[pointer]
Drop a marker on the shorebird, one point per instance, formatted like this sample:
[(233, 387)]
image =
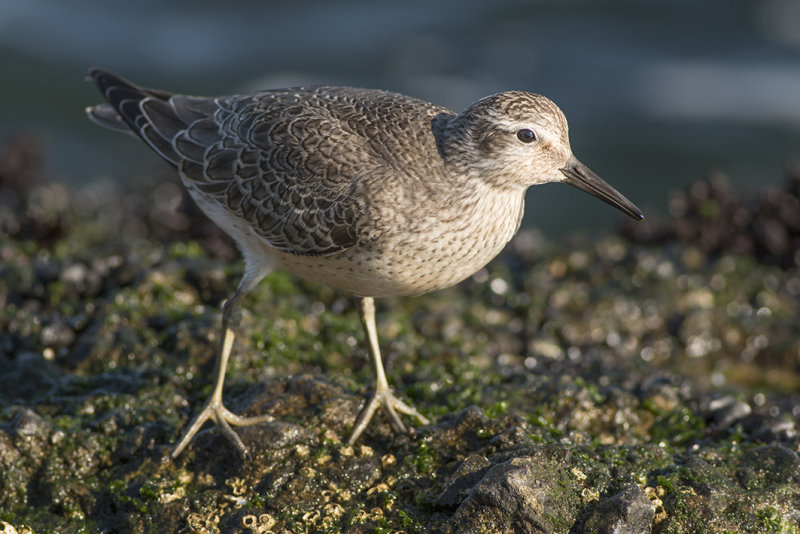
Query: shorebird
[(374, 193)]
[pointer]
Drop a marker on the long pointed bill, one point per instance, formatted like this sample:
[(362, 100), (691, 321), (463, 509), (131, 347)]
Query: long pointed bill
[(580, 176)]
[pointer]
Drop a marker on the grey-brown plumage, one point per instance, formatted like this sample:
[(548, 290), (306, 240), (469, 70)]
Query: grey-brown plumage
[(372, 192)]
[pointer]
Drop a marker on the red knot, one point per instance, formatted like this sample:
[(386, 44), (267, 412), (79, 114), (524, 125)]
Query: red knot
[(374, 193)]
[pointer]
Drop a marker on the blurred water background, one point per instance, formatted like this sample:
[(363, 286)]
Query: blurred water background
[(658, 92)]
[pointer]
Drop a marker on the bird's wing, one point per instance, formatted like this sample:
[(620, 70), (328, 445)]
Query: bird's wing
[(271, 158)]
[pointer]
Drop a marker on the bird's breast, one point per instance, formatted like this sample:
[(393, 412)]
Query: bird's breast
[(417, 249)]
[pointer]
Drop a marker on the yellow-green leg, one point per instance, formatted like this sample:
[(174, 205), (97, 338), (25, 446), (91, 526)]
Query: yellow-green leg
[(213, 408), (383, 395)]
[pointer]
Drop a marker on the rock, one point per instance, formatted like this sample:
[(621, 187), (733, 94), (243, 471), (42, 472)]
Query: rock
[(525, 494), (471, 470), (769, 468), (30, 426), (627, 512), (726, 410)]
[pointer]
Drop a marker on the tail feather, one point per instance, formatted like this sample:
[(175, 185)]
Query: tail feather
[(142, 111), (163, 118), (107, 117)]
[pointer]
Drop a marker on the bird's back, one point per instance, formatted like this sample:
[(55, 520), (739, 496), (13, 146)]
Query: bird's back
[(291, 163)]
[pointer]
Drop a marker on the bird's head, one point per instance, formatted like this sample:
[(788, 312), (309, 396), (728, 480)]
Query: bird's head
[(517, 139)]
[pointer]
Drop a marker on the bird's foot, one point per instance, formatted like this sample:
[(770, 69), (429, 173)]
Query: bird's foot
[(387, 400), (223, 419)]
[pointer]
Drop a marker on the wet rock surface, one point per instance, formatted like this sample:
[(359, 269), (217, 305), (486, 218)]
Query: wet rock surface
[(628, 512), (638, 383)]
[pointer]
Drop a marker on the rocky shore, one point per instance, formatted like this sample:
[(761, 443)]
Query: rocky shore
[(645, 381)]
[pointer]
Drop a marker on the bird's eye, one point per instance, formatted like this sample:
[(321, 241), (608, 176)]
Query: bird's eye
[(526, 136)]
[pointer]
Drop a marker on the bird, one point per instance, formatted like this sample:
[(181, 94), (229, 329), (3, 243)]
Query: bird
[(374, 193)]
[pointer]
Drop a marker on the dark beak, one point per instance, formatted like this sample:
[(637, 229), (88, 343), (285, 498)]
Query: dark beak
[(580, 176)]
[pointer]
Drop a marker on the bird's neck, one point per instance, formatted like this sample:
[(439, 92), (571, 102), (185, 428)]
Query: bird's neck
[(499, 209)]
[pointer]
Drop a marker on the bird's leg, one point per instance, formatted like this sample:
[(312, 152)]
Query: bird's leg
[(383, 395), (213, 408)]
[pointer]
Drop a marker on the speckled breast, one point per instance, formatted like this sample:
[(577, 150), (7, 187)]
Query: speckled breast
[(431, 252)]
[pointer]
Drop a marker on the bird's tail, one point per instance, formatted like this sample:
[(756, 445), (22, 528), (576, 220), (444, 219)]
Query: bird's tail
[(107, 117), (121, 112), (144, 112)]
